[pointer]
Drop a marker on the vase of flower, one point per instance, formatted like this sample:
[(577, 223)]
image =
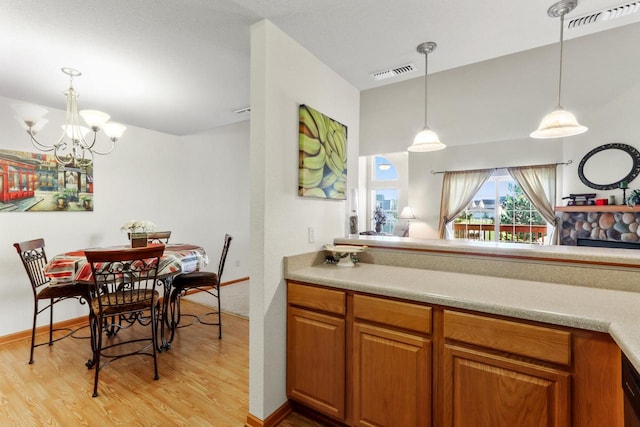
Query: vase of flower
[(380, 218), (137, 231)]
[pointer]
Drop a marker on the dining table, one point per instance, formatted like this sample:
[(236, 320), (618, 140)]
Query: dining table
[(73, 267)]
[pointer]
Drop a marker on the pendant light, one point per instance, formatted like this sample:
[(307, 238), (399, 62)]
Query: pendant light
[(560, 122), (426, 139)]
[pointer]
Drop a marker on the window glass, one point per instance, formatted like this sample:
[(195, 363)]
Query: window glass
[(500, 211), (384, 170)]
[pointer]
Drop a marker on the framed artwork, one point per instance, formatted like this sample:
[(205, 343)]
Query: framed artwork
[(35, 182), (322, 159)]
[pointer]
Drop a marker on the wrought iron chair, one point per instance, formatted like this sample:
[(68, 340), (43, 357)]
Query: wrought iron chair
[(204, 281), (158, 236), (123, 294), (34, 259)]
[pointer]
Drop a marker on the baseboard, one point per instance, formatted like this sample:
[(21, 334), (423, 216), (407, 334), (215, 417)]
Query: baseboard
[(272, 420), (231, 282), (26, 334)]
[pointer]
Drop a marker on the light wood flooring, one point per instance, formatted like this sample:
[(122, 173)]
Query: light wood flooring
[(203, 382)]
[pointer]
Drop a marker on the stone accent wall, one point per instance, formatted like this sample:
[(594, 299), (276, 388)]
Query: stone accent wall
[(612, 226)]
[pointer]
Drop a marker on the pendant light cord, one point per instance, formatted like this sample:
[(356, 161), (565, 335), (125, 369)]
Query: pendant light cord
[(426, 68), (561, 48)]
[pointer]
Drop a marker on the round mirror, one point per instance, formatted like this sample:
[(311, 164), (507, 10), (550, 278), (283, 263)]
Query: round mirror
[(606, 166)]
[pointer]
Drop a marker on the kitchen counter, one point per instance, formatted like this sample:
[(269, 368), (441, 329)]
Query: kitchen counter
[(602, 309)]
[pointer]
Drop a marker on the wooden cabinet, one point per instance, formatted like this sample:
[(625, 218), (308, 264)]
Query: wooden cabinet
[(494, 373), (316, 334), (391, 363), (501, 372), (374, 361)]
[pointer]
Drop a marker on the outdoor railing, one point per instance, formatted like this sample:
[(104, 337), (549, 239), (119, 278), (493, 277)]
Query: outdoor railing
[(508, 232)]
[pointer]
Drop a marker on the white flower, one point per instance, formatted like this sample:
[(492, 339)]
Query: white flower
[(138, 226)]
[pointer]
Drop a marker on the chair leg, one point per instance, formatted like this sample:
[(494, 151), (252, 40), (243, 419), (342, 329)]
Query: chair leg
[(154, 339), (219, 313), (51, 321), (93, 328), (33, 331), (96, 357)]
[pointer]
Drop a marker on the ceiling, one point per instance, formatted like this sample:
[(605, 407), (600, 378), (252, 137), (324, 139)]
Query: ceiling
[(182, 66)]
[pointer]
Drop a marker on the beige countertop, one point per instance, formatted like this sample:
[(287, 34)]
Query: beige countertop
[(615, 312)]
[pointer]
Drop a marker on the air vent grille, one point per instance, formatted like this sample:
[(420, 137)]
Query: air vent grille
[(385, 74), (604, 15)]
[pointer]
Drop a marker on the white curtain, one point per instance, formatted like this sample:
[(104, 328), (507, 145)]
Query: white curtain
[(458, 188), (539, 184)]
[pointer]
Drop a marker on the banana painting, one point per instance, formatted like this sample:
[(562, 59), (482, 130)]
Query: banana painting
[(322, 166)]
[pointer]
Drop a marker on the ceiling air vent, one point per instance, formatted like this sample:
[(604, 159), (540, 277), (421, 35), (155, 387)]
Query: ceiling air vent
[(403, 69), (604, 15)]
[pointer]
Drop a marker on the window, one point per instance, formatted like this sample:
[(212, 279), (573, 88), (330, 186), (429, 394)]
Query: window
[(384, 192), (500, 211), (384, 184)]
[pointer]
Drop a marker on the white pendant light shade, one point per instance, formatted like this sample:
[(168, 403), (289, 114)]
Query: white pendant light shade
[(557, 124), (75, 132), (94, 118), (426, 140), (114, 130), (28, 112)]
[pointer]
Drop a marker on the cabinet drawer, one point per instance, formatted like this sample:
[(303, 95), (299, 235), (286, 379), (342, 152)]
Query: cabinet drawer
[(518, 338), (404, 315), (328, 300)]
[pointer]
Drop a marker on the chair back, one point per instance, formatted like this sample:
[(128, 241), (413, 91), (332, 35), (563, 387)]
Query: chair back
[(34, 260), (158, 236), (124, 279), (223, 256)]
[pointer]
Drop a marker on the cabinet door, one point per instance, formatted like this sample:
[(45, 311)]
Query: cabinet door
[(486, 390), (316, 361), (391, 377)]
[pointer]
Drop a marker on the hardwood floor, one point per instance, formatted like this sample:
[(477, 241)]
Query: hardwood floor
[(203, 382)]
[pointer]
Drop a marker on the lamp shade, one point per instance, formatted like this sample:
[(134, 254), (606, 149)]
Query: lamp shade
[(557, 124), (114, 130), (75, 132), (28, 112), (407, 213), (426, 140), (94, 118)]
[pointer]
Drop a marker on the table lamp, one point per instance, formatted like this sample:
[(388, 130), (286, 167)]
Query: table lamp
[(408, 214)]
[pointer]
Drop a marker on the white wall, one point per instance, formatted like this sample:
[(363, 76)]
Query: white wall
[(180, 183), (283, 76), (484, 112)]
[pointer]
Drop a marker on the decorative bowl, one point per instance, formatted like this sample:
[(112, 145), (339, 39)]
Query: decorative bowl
[(345, 254)]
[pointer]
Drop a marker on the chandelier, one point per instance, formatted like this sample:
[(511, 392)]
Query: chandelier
[(72, 148)]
